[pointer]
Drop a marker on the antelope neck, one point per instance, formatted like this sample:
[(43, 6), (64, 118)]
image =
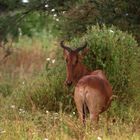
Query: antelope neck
[(81, 71)]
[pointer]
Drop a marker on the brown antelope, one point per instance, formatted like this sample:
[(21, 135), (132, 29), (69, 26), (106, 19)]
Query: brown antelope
[(92, 91)]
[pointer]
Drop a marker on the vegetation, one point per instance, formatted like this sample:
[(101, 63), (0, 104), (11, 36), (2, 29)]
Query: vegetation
[(113, 52), (34, 102)]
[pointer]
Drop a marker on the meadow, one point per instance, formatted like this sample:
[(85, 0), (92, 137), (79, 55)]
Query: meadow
[(35, 104)]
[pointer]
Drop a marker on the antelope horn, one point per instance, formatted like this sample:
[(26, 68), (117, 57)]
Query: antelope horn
[(81, 48), (65, 47)]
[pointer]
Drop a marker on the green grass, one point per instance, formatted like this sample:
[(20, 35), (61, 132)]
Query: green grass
[(17, 123)]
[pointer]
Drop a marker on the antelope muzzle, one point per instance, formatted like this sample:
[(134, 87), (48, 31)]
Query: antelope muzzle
[(68, 83)]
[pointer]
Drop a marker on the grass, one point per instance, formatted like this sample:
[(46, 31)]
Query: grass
[(17, 123), (27, 73)]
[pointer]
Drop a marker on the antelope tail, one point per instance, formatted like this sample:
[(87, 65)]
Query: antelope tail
[(110, 100), (84, 112)]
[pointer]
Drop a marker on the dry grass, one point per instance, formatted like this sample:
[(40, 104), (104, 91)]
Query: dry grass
[(23, 62), (20, 124)]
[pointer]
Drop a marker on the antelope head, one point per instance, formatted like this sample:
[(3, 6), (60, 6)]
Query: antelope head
[(74, 67)]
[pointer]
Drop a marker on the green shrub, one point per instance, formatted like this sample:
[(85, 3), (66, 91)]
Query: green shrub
[(112, 51)]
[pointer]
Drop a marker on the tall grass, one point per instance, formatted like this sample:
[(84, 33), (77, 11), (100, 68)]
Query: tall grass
[(20, 124)]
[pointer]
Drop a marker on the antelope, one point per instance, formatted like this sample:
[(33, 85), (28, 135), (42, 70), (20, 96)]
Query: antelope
[(92, 89)]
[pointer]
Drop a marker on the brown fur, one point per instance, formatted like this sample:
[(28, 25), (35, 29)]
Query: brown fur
[(95, 92)]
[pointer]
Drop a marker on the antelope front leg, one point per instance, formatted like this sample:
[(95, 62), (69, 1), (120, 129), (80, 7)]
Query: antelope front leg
[(82, 117), (81, 112), (80, 109)]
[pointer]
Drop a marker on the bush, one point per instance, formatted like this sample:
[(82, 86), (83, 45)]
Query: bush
[(112, 51)]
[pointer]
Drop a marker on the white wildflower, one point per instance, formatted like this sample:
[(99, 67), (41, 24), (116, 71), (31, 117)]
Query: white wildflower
[(46, 5), (53, 61), (47, 111), (126, 14), (99, 138), (23, 82), (13, 106), (48, 59), (57, 19), (25, 1), (73, 113), (55, 15), (63, 12), (46, 139), (20, 31), (53, 10), (111, 31), (21, 111)]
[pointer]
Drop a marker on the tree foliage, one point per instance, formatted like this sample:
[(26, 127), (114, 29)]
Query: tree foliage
[(75, 15), (123, 14)]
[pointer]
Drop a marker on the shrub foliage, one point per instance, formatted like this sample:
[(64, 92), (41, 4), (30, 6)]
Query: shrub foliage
[(114, 52)]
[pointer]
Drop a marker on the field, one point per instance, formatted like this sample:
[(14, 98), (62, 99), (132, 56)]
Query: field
[(36, 106)]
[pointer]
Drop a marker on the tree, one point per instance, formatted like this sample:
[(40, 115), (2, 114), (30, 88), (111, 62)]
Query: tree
[(123, 14), (75, 15)]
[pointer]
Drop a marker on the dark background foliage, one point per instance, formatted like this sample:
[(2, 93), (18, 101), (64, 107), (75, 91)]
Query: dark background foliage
[(75, 15)]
